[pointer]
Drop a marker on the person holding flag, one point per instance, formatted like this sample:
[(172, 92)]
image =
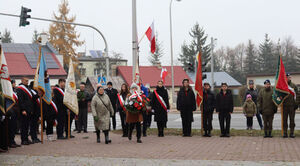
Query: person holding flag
[(290, 105), (160, 105)]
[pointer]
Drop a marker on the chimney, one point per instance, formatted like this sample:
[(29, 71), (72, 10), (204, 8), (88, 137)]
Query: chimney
[(44, 38)]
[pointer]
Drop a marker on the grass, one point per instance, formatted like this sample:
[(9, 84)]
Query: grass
[(215, 132)]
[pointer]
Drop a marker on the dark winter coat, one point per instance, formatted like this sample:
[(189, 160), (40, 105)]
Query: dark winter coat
[(58, 100), (209, 102), (290, 100), (224, 102), (25, 102), (265, 102), (186, 103), (160, 114), (113, 96), (83, 98), (253, 93)]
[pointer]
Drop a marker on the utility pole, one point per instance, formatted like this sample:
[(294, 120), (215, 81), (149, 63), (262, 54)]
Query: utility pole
[(212, 63), (72, 23), (134, 39)]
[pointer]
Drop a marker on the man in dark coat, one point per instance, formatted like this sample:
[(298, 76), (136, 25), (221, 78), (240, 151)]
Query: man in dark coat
[(160, 105), (209, 104), (290, 106), (26, 109), (58, 97), (267, 107), (254, 93), (224, 107), (35, 115), (186, 104), (83, 98), (113, 96), (3, 133)]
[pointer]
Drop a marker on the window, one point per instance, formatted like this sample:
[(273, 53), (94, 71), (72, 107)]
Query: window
[(82, 71)]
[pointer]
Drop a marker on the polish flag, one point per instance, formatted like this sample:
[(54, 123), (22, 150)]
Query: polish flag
[(150, 33), (163, 74)]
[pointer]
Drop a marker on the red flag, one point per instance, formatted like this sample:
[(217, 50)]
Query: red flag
[(198, 84), (150, 33), (163, 74)]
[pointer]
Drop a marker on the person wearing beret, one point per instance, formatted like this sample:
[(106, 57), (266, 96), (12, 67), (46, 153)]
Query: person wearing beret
[(267, 107), (290, 105)]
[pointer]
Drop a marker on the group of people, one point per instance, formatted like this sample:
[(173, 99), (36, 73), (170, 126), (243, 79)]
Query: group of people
[(105, 102)]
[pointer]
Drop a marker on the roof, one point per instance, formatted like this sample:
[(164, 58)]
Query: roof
[(269, 74), (219, 77), (22, 58), (151, 74)]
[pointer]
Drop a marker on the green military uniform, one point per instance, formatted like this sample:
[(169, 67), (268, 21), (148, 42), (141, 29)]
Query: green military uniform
[(289, 108), (267, 108)]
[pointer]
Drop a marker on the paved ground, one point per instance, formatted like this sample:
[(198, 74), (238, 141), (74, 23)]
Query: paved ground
[(169, 149), (238, 121), (74, 161)]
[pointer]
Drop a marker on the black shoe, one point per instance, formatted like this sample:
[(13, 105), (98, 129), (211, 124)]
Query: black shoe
[(266, 134), (222, 135), (208, 134), (144, 135), (139, 141), (270, 134), (25, 143), (292, 135), (227, 135), (30, 142), (75, 130), (85, 131), (61, 137), (3, 150), (79, 131), (98, 136), (12, 146), (285, 135), (36, 141), (129, 137), (17, 145), (72, 136)]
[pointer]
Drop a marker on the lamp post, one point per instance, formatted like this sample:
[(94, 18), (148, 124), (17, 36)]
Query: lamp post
[(171, 46), (212, 44)]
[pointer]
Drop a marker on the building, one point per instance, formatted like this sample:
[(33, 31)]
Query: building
[(90, 66), (260, 78), (22, 61), (220, 77)]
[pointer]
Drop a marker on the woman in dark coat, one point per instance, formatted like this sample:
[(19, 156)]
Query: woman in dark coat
[(186, 104), (160, 105), (121, 108)]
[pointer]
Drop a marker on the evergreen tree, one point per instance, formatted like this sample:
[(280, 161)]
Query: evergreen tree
[(266, 57), (189, 52), (6, 37), (155, 58), (290, 55), (250, 63), (64, 37), (233, 68)]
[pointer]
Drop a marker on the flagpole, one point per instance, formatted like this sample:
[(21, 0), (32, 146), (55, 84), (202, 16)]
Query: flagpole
[(201, 109), (69, 124), (281, 110), (141, 38), (42, 124)]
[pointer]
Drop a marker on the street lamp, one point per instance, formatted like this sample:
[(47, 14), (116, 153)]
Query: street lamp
[(212, 45), (171, 45)]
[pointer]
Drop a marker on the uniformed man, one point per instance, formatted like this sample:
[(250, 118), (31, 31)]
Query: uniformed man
[(290, 106), (58, 97), (113, 96), (26, 109), (35, 115), (209, 104), (267, 107)]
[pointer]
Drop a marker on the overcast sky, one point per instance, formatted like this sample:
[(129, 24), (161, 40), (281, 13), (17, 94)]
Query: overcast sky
[(230, 21)]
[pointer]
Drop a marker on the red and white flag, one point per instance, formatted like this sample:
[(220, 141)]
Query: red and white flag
[(150, 33), (163, 74)]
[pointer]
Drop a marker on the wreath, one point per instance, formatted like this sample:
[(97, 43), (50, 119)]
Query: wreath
[(137, 103)]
